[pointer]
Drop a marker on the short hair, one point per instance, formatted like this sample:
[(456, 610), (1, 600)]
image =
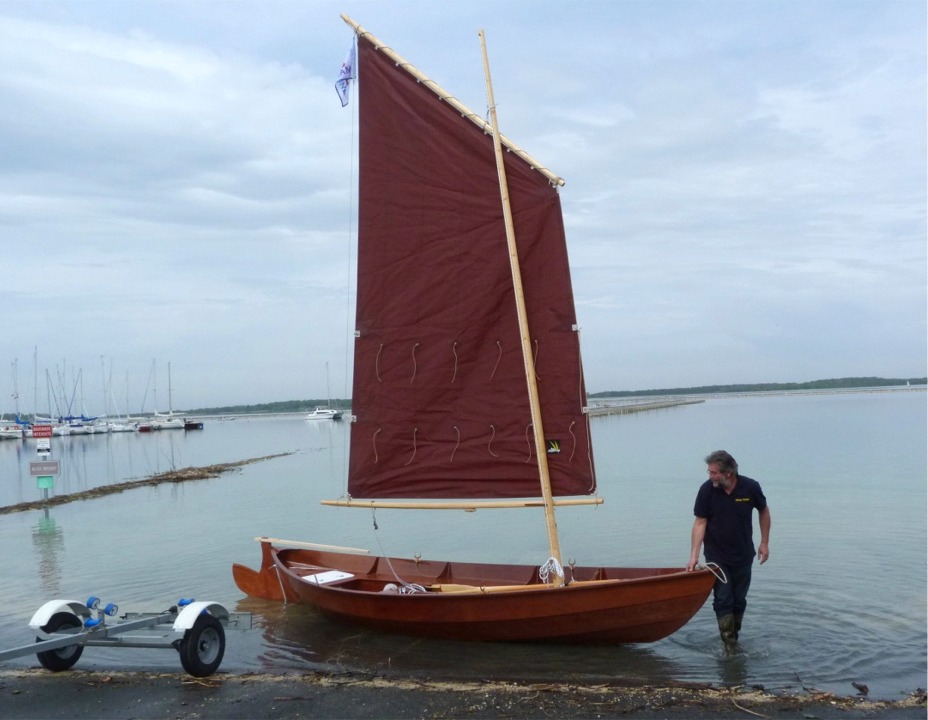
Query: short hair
[(724, 460)]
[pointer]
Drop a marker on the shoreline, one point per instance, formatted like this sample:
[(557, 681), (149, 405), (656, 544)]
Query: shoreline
[(29, 694)]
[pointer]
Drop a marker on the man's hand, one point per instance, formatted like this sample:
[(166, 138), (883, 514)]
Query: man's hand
[(763, 552)]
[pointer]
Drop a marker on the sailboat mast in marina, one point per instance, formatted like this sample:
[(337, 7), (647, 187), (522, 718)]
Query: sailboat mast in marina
[(468, 386)]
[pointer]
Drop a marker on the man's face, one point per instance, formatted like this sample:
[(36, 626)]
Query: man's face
[(718, 478)]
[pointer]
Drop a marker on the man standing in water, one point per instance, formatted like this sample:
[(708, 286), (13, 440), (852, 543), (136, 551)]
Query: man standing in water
[(724, 523)]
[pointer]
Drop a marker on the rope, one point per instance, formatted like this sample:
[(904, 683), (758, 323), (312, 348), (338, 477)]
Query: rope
[(281, 583), (405, 588), (414, 431), (528, 441), (570, 429), (715, 570), (374, 444), (454, 350), (498, 358), (413, 363), (377, 363), (451, 459), (535, 362), (552, 565), (490, 443)]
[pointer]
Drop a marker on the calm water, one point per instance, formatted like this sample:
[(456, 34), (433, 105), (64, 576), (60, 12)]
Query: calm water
[(843, 597)]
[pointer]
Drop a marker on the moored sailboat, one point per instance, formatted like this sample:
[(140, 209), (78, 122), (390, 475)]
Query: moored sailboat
[(468, 387)]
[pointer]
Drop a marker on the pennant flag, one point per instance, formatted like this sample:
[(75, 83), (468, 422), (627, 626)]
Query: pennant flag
[(345, 76)]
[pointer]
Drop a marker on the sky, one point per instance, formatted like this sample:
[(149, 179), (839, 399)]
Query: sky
[(745, 195)]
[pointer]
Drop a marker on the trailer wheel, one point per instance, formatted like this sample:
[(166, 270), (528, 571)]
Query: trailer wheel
[(62, 658), (203, 646)]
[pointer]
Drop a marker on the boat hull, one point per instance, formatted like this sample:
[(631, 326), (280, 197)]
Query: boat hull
[(471, 601)]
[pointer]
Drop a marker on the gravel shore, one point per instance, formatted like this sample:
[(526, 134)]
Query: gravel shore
[(37, 694)]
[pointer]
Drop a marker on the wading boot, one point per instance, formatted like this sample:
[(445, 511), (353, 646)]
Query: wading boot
[(728, 632), (738, 619)]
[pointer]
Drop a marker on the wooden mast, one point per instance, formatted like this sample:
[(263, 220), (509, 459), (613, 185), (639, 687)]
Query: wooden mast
[(527, 358)]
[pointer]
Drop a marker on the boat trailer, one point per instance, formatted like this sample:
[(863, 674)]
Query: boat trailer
[(66, 627)]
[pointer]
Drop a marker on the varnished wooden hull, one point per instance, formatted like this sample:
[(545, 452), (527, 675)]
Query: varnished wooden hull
[(470, 601)]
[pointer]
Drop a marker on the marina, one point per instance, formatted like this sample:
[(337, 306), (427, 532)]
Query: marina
[(840, 601)]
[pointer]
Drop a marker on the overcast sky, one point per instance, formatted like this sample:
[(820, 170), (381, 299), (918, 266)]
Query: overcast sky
[(745, 197)]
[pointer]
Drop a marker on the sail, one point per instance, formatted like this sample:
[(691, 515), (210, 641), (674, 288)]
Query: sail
[(439, 394)]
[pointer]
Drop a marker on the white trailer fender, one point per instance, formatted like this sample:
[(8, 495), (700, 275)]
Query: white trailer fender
[(44, 613), (189, 614)]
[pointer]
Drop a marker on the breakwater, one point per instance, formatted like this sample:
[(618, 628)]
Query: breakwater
[(633, 407)]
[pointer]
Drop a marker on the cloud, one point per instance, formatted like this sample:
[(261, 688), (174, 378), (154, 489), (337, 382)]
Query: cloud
[(745, 193)]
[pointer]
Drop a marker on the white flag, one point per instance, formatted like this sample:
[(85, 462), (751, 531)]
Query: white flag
[(345, 76)]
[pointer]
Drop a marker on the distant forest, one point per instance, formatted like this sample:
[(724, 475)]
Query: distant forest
[(832, 384), (296, 406)]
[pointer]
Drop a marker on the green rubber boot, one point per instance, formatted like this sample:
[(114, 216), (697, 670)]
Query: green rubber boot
[(728, 632), (738, 619)]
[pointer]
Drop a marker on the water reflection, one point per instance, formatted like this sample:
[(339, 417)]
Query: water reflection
[(299, 637), (48, 541)]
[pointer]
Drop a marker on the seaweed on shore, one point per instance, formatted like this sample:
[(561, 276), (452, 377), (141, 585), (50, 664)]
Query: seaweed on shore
[(172, 476)]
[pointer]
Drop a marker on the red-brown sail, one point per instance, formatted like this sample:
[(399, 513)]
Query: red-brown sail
[(439, 396)]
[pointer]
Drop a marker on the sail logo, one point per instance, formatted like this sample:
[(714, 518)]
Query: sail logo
[(554, 447)]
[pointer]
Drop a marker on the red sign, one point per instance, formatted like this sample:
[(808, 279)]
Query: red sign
[(41, 431)]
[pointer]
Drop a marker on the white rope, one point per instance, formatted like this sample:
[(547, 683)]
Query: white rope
[(451, 459), (414, 431), (374, 444), (454, 349), (414, 365), (490, 443), (281, 583), (552, 565), (404, 588), (499, 357), (715, 570)]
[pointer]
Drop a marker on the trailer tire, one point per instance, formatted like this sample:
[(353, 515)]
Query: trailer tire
[(62, 658), (203, 646)]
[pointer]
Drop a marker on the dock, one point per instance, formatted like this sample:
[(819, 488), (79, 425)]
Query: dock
[(633, 407)]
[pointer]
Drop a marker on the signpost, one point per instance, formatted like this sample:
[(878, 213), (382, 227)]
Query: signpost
[(46, 467), (44, 473)]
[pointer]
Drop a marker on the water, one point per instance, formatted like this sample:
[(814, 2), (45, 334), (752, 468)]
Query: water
[(842, 598)]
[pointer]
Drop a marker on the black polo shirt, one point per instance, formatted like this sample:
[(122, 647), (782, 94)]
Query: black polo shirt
[(729, 538)]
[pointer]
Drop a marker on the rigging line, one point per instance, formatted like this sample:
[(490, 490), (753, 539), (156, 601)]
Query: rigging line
[(414, 366), (535, 362), (455, 351), (374, 444), (350, 332), (377, 364), (499, 357), (414, 431), (570, 429), (407, 588), (490, 443), (281, 583), (458, 432), (583, 403), (528, 439)]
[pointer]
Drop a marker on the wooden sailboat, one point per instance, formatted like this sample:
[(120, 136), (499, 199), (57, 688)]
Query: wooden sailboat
[(468, 386)]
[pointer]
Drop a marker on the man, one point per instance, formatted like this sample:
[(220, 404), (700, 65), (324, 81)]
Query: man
[(724, 524)]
